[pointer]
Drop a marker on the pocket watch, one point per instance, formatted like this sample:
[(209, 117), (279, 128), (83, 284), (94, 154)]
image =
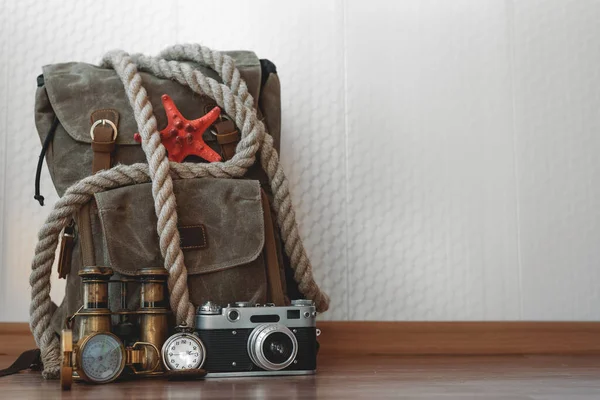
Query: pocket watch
[(183, 350)]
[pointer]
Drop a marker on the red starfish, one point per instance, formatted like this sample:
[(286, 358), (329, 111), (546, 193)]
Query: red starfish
[(183, 137)]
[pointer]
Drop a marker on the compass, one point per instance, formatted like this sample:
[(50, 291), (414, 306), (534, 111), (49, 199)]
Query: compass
[(183, 350), (101, 357)]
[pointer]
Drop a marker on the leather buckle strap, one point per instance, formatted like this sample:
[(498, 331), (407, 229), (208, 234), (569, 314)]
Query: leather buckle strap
[(28, 359), (104, 134), (227, 137), (275, 277)]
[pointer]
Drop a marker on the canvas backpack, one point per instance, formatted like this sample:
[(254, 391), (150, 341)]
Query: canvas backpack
[(224, 230)]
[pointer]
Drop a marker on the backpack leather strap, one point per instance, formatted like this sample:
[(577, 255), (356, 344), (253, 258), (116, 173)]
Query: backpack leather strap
[(228, 138), (28, 359), (275, 279), (103, 138)]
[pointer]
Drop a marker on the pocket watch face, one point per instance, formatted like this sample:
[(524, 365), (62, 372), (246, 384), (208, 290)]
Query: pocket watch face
[(183, 351), (102, 357)]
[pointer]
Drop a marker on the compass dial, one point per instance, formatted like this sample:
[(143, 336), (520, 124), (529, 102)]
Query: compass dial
[(183, 351), (102, 357)]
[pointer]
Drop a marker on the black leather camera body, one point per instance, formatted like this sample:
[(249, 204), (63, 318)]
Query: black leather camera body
[(244, 339)]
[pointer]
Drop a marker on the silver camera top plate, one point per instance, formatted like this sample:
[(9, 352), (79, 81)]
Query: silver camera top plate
[(238, 316)]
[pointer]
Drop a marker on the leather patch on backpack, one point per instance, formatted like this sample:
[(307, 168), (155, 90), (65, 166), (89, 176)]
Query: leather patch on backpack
[(192, 237)]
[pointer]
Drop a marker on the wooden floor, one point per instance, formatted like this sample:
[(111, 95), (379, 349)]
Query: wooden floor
[(412, 373), (424, 377)]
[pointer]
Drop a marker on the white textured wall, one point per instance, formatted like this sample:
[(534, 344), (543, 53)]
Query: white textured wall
[(443, 156)]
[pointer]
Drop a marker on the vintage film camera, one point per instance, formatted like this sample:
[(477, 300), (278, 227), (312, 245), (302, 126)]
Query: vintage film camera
[(105, 350), (244, 339)]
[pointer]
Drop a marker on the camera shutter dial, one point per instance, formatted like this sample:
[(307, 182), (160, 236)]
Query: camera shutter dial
[(210, 308), (302, 303)]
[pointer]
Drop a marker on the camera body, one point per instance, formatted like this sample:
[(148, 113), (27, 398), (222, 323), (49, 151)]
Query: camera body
[(244, 339)]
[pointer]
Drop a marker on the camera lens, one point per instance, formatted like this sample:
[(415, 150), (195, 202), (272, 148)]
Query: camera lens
[(272, 346), (277, 348)]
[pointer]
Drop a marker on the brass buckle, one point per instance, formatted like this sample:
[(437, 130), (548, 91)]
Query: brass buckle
[(104, 122), (221, 118)]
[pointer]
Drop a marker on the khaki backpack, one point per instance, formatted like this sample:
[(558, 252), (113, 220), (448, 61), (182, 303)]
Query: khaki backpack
[(225, 231)]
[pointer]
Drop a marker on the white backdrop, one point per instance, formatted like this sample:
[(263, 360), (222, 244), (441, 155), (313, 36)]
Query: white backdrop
[(443, 156)]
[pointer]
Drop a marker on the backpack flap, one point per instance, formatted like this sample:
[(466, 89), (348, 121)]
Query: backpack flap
[(221, 223), (73, 91)]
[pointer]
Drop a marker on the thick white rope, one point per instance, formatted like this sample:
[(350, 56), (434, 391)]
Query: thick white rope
[(160, 171), (286, 217), (215, 60)]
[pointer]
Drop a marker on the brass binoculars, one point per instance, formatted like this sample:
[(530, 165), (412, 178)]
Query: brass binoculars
[(111, 343)]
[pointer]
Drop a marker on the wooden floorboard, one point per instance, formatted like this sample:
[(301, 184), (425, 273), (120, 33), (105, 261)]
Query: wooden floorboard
[(424, 377)]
